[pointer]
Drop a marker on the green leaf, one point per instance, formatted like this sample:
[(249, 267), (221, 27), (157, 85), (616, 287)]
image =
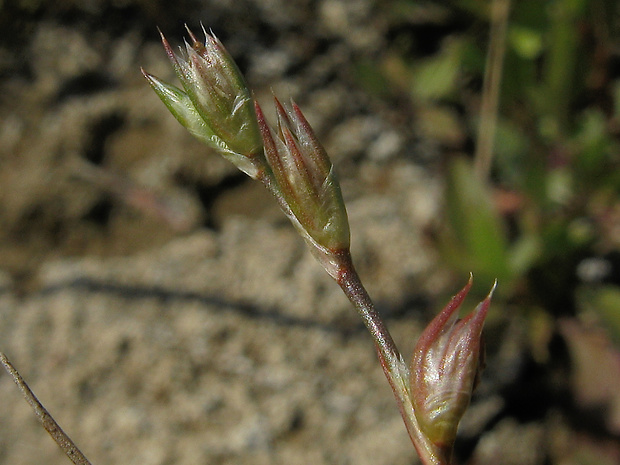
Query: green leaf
[(476, 239), (436, 77), (605, 302)]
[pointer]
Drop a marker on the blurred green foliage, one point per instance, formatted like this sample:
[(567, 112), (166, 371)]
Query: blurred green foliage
[(556, 153), (552, 200), (546, 221)]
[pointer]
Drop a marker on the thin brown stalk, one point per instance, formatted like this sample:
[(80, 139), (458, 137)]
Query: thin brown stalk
[(48, 422)]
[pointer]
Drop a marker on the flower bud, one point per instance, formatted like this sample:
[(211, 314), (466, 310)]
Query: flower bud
[(445, 367), (305, 177), (215, 104)]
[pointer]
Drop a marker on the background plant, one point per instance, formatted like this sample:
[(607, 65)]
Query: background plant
[(543, 218)]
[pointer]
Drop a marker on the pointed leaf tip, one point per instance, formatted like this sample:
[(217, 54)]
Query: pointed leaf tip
[(191, 35)]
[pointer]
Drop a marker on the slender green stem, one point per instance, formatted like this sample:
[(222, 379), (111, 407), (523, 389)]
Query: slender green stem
[(559, 72), (492, 82)]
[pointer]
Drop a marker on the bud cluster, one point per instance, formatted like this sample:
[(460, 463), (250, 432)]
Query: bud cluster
[(305, 178), (216, 106)]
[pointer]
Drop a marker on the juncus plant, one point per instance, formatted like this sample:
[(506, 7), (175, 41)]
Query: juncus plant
[(216, 106)]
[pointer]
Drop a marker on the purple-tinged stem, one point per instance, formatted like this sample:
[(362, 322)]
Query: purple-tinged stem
[(353, 288), (394, 368)]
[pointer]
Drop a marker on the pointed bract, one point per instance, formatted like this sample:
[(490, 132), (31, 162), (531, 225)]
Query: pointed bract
[(215, 104), (444, 369), (305, 177)]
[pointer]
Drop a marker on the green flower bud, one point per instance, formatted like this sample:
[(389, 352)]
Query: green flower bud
[(305, 177), (215, 104)]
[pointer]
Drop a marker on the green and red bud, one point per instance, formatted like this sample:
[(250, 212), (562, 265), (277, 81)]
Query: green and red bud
[(305, 178), (445, 368), (215, 104)]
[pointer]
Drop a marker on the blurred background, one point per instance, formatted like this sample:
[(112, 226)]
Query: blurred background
[(164, 310)]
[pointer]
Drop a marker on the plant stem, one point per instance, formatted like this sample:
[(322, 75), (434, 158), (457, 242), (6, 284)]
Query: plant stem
[(491, 87), (353, 288), (48, 422), (559, 72), (394, 367)]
